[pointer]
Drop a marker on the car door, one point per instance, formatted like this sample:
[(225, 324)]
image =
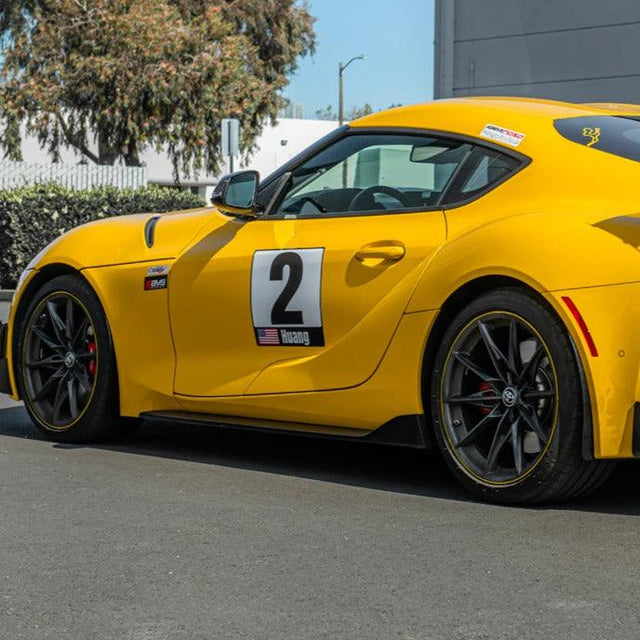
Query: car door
[(308, 298)]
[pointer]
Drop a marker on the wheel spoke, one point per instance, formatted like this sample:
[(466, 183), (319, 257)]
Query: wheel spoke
[(69, 320), (84, 384), (48, 385), (480, 398), (474, 368), (61, 395), (59, 327), (516, 443), (499, 440), (72, 393), (538, 394), (528, 374), (479, 428), (513, 357), (81, 331), (40, 332), (52, 362), (497, 359), (86, 355), (531, 418)]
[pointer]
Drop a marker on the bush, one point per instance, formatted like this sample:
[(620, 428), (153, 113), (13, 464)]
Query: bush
[(31, 217)]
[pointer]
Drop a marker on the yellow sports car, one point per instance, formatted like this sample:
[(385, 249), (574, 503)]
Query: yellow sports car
[(462, 274)]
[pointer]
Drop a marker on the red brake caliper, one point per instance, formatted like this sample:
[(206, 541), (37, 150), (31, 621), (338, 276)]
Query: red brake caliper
[(484, 386), (92, 362)]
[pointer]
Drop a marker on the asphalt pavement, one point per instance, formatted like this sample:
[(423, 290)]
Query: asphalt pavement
[(192, 533)]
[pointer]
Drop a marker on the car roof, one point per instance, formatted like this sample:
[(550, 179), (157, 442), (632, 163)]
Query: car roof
[(532, 118)]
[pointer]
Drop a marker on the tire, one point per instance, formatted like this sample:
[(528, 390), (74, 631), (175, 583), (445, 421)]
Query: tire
[(65, 365), (507, 405)]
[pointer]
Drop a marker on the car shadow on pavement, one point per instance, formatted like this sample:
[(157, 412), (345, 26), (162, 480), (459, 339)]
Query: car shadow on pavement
[(372, 466)]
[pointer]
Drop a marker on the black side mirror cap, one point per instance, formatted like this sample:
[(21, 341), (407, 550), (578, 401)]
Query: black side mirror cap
[(236, 194)]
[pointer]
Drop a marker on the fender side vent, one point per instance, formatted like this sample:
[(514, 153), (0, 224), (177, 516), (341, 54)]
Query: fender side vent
[(150, 230)]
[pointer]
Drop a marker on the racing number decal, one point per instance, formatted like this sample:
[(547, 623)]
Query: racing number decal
[(285, 298), (279, 313)]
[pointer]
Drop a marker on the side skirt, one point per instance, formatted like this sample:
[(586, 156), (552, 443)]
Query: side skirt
[(403, 431)]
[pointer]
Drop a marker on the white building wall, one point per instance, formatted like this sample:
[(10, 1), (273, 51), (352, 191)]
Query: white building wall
[(277, 144)]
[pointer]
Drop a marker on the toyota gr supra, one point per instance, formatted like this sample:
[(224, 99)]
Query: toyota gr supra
[(462, 275)]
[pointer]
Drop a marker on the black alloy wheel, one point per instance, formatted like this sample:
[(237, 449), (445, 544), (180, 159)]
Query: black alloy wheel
[(60, 360), (508, 398), (500, 397)]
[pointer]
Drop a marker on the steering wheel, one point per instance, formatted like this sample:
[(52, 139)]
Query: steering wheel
[(365, 200)]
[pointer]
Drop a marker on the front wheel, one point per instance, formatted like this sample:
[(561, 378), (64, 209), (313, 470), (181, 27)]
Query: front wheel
[(66, 369), (507, 403)]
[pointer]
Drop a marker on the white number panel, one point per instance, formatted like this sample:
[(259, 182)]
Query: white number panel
[(286, 294)]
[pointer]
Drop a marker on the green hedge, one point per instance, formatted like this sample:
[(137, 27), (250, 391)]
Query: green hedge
[(31, 217)]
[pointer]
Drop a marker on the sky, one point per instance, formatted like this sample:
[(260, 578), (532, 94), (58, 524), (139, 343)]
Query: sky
[(396, 36)]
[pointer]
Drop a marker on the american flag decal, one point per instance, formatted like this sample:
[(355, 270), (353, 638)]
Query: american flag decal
[(268, 337)]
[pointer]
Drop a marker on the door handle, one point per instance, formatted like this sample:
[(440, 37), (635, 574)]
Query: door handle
[(390, 251)]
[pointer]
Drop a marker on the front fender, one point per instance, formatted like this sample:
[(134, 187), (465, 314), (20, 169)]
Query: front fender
[(121, 240), (113, 255)]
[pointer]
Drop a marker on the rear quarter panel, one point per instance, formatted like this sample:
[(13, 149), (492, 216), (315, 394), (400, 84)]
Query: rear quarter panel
[(562, 254)]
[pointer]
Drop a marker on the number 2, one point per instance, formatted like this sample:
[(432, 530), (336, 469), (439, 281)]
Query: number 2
[(279, 314)]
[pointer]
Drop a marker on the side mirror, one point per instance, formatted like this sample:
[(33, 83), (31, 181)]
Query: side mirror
[(236, 194)]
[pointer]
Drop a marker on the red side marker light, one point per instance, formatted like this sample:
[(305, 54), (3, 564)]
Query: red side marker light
[(582, 324)]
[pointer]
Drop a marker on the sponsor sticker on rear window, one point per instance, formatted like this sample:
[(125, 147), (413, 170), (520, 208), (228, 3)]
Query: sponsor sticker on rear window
[(500, 134)]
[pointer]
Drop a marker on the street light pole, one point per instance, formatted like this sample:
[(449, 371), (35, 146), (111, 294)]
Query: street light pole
[(341, 69), (341, 95)]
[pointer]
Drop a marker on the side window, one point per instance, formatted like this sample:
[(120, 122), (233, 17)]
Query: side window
[(481, 172), (368, 173)]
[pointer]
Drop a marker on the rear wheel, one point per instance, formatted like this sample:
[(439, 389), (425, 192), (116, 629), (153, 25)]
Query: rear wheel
[(66, 367), (506, 400)]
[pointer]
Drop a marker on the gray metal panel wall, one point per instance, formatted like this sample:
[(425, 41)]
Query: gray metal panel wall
[(577, 50)]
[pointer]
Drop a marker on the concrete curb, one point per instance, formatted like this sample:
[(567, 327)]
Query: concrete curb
[(6, 295)]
